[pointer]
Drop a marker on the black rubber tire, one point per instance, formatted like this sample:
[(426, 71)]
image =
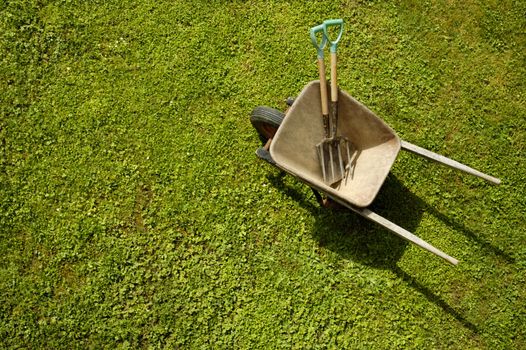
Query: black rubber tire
[(266, 121)]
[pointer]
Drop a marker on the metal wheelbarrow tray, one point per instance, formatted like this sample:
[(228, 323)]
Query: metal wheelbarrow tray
[(375, 148)]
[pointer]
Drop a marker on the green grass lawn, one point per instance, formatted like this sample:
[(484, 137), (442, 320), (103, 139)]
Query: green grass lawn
[(134, 213)]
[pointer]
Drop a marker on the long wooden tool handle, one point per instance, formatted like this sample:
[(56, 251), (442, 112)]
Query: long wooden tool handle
[(334, 78), (447, 161), (334, 96), (323, 96), (336, 24)]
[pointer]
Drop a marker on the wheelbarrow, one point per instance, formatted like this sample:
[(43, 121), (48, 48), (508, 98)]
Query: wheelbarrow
[(290, 145)]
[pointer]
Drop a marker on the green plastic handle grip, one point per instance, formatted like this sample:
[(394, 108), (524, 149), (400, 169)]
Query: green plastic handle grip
[(332, 23), (318, 45)]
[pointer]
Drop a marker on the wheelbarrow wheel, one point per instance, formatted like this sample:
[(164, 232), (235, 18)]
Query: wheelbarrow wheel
[(266, 121)]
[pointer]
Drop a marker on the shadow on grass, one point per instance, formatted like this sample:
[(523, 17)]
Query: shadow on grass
[(354, 238), (475, 237), (435, 299)]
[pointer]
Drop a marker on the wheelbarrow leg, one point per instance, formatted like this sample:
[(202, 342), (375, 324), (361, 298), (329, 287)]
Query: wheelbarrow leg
[(399, 231), (447, 161)]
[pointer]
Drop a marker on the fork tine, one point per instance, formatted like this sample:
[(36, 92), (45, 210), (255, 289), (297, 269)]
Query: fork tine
[(342, 168), (321, 155)]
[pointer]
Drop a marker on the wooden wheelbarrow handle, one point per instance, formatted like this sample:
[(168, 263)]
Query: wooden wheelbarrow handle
[(447, 161)]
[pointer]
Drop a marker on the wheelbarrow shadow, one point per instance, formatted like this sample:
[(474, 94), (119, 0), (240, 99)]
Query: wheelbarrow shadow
[(354, 238)]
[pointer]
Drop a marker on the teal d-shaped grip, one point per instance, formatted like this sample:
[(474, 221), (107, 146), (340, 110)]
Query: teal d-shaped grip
[(331, 23), (318, 45)]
